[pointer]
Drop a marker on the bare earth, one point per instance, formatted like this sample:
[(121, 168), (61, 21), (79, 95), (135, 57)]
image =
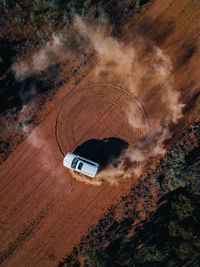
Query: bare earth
[(44, 211)]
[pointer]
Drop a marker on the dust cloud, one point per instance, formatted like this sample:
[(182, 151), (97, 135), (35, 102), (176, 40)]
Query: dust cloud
[(46, 160), (56, 50), (146, 72), (139, 67)]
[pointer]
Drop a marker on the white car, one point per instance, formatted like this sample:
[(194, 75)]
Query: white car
[(80, 164)]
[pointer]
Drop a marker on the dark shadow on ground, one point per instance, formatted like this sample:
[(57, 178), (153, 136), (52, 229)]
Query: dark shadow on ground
[(105, 151), (17, 93), (7, 55)]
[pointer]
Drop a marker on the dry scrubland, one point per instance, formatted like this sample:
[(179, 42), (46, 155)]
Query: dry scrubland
[(71, 71)]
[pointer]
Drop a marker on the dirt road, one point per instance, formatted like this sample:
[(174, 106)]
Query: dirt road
[(43, 210)]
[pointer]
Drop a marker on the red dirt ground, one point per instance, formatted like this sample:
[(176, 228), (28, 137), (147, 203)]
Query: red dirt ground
[(44, 210)]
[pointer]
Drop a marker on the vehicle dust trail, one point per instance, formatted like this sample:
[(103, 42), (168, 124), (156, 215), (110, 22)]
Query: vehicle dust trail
[(56, 50), (46, 160), (39, 140), (138, 65), (142, 67), (82, 178), (111, 175)]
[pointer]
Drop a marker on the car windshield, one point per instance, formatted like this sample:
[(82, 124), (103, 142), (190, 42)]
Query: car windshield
[(74, 163)]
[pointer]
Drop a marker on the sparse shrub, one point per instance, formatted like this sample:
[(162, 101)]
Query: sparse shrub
[(176, 230), (4, 3), (183, 206), (198, 111), (176, 182), (176, 164), (70, 4), (72, 11), (20, 20), (92, 259), (196, 244), (83, 11), (32, 16), (186, 234), (154, 256), (48, 16), (173, 228), (87, 4), (66, 17), (51, 17), (41, 36), (137, 4), (19, 6), (54, 4), (37, 4), (185, 251)]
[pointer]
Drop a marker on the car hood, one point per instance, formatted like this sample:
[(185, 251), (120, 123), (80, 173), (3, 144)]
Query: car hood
[(67, 161)]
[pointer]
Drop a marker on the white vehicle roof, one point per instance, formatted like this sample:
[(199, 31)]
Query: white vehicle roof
[(81, 164)]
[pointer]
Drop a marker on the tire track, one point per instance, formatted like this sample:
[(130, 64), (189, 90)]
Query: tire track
[(98, 94)]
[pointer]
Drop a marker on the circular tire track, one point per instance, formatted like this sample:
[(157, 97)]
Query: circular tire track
[(97, 111)]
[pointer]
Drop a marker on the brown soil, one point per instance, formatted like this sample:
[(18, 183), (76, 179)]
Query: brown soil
[(44, 210)]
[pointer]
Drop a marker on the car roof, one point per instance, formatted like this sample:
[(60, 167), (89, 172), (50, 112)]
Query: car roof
[(90, 167)]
